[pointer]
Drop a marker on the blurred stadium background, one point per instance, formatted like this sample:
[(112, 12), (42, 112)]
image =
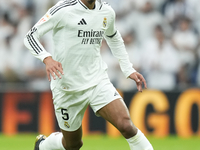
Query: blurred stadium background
[(162, 38)]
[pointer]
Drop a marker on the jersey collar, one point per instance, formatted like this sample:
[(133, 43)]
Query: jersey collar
[(84, 6)]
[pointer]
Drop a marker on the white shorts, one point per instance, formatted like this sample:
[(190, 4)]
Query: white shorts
[(70, 106)]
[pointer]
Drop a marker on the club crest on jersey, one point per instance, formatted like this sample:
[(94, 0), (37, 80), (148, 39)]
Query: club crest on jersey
[(105, 22), (67, 124)]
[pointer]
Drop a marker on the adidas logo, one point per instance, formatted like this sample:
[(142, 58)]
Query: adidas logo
[(82, 22), (116, 93)]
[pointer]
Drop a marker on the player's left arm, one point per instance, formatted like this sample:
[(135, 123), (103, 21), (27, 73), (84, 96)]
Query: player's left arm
[(116, 44)]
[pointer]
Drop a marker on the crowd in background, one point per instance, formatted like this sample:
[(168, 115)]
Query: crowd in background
[(162, 38)]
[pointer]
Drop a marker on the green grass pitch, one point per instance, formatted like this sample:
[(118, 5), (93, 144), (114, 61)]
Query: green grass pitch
[(103, 142)]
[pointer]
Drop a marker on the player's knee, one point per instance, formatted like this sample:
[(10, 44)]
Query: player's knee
[(127, 128), (74, 146)]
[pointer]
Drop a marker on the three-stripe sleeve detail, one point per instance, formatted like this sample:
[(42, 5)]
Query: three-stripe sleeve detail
[(62, 5), (33, 42)]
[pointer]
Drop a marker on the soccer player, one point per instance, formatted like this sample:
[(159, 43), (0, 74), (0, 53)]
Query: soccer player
[(78, 75)]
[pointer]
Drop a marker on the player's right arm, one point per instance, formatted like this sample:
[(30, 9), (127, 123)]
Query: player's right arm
[(48, 22)]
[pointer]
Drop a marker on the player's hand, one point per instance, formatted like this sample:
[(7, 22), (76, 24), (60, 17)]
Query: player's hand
[(53, 68), (139, 79)]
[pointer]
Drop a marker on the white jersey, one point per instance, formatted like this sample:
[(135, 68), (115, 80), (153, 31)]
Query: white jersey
[(77, 35)]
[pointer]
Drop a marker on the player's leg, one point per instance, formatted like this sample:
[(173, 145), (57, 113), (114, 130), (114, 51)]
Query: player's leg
[(72, 140), (69, 110), (107, 103), (56, 141), (117, 114), (52, 142)]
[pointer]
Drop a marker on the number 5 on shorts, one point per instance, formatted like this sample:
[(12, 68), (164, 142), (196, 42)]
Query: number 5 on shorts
[(65, 114)]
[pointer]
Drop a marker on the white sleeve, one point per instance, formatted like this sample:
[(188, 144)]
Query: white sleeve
[(116, 44), (45, 24)]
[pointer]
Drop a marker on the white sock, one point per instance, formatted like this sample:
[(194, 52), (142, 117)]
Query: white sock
[(139, 142), (52, 142)]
